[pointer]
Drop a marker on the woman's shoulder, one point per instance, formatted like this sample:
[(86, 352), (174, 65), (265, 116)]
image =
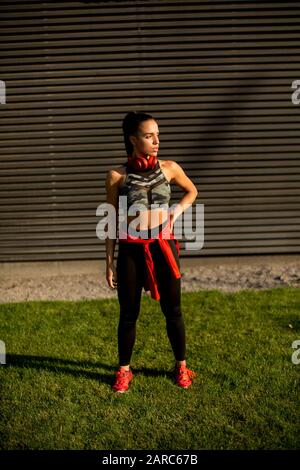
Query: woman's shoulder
[(169, 164), (118, 170), (169, 167), (116, 174)]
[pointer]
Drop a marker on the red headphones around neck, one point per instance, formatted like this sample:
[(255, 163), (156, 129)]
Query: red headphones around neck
[(141, 162)]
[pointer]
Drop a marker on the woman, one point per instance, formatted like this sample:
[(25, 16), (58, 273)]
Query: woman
[(148, 254)]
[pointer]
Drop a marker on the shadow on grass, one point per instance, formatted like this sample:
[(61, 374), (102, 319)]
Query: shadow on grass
[(75, 367), (291, 322)]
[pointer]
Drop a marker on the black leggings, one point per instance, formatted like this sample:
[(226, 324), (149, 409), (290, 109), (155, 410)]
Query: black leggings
[(131, 272)]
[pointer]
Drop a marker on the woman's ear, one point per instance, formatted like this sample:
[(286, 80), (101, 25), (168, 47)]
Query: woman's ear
[(132, 139)]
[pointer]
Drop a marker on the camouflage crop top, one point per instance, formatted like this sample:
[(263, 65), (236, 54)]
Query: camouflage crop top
[(145, 187)]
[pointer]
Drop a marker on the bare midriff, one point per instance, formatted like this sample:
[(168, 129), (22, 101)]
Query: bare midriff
[(149, 219)]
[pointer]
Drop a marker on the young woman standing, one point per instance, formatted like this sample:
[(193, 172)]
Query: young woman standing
[(151, 258)]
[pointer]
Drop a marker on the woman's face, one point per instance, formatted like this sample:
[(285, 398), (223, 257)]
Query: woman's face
[(147, 140)]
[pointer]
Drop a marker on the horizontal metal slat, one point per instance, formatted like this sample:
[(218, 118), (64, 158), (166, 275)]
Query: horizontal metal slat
[(227, 74)]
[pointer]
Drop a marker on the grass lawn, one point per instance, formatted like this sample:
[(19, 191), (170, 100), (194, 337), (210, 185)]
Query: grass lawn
[(61, 358)]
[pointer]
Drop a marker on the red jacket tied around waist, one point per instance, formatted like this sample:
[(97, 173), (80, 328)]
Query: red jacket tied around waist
[(162, 237)]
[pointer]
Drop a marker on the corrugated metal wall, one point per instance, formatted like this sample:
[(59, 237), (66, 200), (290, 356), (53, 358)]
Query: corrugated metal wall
[(216, 75)]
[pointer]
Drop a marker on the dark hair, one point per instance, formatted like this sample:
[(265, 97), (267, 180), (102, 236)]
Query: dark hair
[(130, 126)]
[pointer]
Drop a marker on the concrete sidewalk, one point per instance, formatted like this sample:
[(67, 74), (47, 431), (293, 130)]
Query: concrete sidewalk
[(78, 280)]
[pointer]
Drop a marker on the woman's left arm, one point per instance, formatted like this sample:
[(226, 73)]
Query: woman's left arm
[(179, 177)]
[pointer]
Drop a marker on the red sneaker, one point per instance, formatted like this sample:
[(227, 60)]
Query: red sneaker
[(123, 379), (183, 376)]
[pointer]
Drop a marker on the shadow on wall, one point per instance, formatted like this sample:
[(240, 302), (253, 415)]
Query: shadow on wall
[(219, 121)]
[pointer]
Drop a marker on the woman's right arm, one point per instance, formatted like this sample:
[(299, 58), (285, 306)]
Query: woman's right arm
[(112, 197)]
